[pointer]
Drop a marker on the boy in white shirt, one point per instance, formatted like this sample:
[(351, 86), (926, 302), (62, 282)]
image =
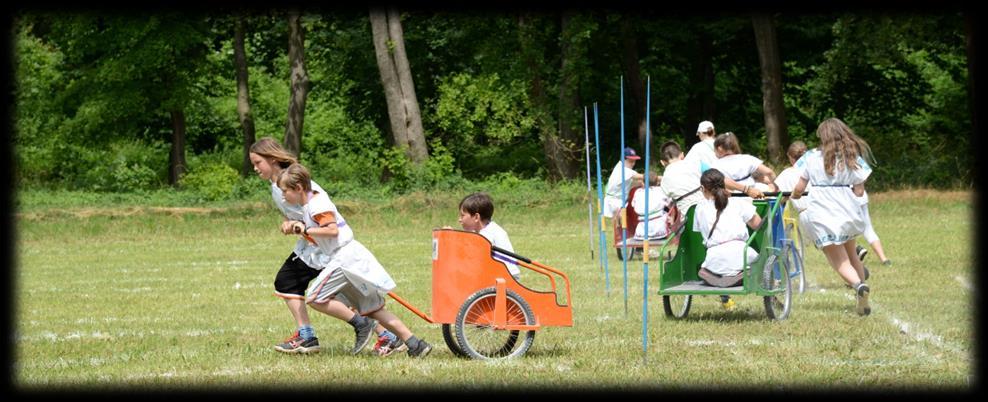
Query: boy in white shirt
[(352, 271), (613, 195), (476, 213)]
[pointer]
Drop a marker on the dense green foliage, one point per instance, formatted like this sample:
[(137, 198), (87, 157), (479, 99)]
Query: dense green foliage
[(94, 92)]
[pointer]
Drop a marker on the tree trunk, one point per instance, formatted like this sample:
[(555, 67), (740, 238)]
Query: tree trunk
[(700, 103), (635, 84), (299, 85), (399, 89), (532, 56), (243, 96), (176, 161), (772, 104), (570, 113)]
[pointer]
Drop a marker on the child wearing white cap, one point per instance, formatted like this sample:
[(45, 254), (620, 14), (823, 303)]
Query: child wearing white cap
[(702, 153)]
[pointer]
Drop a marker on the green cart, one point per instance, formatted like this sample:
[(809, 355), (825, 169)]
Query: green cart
[(769, 276)]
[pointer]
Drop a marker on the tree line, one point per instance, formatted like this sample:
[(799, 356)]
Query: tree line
[(406, 98)]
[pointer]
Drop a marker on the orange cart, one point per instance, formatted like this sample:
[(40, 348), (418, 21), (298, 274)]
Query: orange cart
[(482, 308)]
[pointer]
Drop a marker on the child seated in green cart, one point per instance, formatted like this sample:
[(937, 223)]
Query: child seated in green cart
[(721, 220)]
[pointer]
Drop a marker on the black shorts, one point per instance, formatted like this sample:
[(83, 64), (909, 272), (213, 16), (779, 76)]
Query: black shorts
[(294, 277)]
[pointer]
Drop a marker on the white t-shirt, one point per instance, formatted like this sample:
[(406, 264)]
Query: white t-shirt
[(679, 178), (613, 195), (726, 245), (308, 252), (359, 266), (738, 167), (319, 210), (786, 180), (657, 201), (499, 237), (702, 153)]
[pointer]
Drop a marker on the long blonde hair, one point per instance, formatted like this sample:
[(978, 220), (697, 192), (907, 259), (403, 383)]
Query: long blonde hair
[(838, 142), (270, 148)]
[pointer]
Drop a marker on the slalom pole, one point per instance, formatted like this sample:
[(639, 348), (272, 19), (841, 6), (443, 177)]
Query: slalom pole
[(586, 143), (624, 213), (600, 206), (648, 104)]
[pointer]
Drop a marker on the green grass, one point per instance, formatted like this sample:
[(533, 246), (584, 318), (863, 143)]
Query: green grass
[(182, 299)]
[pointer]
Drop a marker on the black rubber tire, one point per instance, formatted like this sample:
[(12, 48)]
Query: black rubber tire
[(777, 275), (450, 339), (478, 340), (676, 308)]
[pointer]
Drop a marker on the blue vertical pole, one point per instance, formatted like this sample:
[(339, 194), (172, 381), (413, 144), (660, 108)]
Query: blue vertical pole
[(624, 219), (648, 134), (586, 143), (600, 209)]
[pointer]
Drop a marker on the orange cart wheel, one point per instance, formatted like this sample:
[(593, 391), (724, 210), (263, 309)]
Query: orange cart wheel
[(450, 339), (475, 331)]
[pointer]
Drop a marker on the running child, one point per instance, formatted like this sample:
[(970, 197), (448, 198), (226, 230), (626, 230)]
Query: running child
[(837, 171), (352, 271), (269, 159)]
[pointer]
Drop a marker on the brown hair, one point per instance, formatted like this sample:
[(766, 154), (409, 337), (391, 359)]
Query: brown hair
[(653, 179), (713, 181), (728, 142), (270, 148), (295, 175), (839, 144), (670, 150), (796, 150), (478, 203)]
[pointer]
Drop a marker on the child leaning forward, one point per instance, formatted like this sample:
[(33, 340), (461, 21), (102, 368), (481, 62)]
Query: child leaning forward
[(352, 272)]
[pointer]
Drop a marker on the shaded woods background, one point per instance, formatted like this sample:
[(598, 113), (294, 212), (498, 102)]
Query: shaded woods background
[(134, 102)]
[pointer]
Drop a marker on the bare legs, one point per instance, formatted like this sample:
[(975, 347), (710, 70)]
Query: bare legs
[(844, 260)]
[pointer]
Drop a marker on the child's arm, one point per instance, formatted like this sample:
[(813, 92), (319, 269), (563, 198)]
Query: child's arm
[(768, 176), (327, 226), (858, 189), (754, 221), (797, 191)]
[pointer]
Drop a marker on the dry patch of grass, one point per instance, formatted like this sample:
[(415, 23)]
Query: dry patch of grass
[(134, 211)]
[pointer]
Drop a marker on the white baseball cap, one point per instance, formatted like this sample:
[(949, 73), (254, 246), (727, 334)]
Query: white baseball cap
[(705, 126)]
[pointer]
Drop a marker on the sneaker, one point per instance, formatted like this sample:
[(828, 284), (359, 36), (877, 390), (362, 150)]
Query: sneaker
[(862, 252), (363, 335), (381, 341), (421, 350), (297, 344), (887, 263), (862, 296), (727, 303), (389, 347)]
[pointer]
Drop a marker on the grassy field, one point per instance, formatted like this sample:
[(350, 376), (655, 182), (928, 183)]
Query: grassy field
[(181, 298)]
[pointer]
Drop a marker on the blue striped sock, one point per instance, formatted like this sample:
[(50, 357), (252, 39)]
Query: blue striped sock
[(306, 332), (391, 337)]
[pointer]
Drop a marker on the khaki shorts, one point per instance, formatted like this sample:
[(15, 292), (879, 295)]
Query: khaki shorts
[(333, 284)]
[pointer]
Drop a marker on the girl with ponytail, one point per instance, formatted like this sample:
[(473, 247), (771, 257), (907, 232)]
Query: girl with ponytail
[(721, 221)]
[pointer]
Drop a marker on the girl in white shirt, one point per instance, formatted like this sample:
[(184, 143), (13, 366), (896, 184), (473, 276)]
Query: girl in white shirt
[(837, 171), (737, 166), (721, 221), (657, 201)]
